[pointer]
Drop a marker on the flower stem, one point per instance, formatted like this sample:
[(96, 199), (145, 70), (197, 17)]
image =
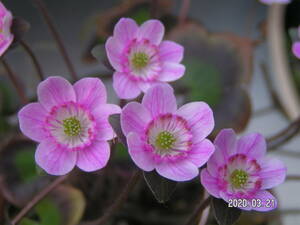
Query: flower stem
[(119, 201), (34, 60), (42, 194), (293, 177), (184, 11), (196, 215), (44, 11), (12, 76), (285, 135)]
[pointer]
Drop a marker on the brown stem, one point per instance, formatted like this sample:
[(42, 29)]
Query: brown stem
[(196, 215), (285, 135), (42, 194), (44, 11), (34, 60), (184, 11), (12, 76), (293, 177), (118, 202)]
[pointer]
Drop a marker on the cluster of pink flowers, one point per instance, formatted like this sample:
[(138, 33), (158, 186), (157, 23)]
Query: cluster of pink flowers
[(71, 122), (6, 37)]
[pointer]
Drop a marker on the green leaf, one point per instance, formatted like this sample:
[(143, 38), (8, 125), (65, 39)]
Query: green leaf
[(25, 164), (48, 212), (204, 81), (27, 221), (121, 152), (141, 15), (225, 215), (161, 187)]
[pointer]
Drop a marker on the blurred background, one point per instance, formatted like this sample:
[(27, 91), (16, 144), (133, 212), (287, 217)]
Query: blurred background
[(230, 64)]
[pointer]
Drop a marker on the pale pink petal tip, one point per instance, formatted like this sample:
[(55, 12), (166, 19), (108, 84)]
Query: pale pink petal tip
[(124, 87), (94, 157), (55, 91), (53, 159), (160, 99)]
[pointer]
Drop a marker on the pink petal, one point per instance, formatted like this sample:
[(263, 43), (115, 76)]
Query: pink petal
[(90, 92), (273, 172), (94, 157), (103, 127), (141, 157), (124, 87), (145, 86), (134, 118), (125, 30), (171, 52), (105, 110), (200, 118), (296, 49), (114, 51), (55, 91), (201, 152), (53, 159), (104, 131), (269, 202), (178, 171), (209, 183), (171, 72), (160, 99), (152, 30), (31, 120), (225, 143), (253, 145)]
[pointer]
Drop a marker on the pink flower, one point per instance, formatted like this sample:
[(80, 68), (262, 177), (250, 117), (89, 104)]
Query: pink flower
[(6, 37), (296, 46), (269, 2), (71, 124), (141, 58), (162, 137), (240, 170)]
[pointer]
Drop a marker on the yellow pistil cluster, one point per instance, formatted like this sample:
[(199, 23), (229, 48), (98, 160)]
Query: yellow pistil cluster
[(164, 140), (72, 126), (239, 178), (139, 60)]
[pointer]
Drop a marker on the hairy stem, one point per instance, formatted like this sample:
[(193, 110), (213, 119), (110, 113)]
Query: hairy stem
[(196, 215), (44, 11), (34, 60), (12, 76), (42, 194), (118, 202)]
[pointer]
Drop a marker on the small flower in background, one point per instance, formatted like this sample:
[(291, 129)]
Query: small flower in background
[(71, 124), (269, 2), (6, 37), (141, 58), (239, 169), (172, 141), (296, 47)]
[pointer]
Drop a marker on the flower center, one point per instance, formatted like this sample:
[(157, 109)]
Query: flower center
[(165, 140), (239, 178), (140, 60), (71, 126)]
